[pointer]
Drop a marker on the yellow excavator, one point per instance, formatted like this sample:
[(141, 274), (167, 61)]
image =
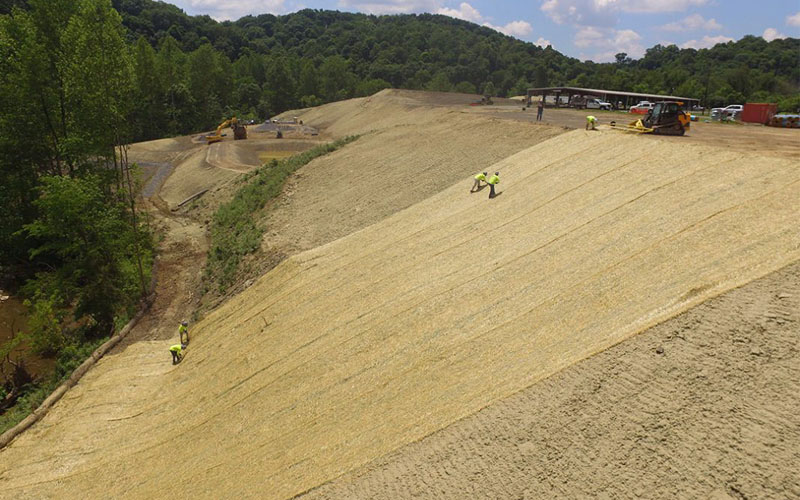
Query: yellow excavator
[(666, 118), (239, 131)]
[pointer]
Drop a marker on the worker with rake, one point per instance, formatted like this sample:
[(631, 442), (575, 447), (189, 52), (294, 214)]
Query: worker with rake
[(493, 181), (477, 185), (184, 329), (177, 353)]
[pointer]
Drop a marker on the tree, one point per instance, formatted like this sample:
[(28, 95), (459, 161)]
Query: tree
[(440, 83), (372, 86), (205, 77), (148, 115), (466, 88), (335, 79), (308, 83), (94, 246), (279, 88)]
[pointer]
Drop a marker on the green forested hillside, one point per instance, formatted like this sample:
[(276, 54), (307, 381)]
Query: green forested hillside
[(73, 243), (317, 56)]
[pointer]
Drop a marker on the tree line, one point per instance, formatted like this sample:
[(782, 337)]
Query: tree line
[(263, 65), (71, 235)]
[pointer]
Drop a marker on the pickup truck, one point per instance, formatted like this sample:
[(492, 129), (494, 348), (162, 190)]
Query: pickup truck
[(598, 104), (732, 111)]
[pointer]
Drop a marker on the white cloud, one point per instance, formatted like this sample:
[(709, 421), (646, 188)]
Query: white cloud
[(541, 42), (607, 42), (793, 20), (692, 23), (650, 6), (514, 28), (581, 12), (588, 37), (604, 12), (706, 42), (223, 10), (771, 34), (391, 6), (467, 12)]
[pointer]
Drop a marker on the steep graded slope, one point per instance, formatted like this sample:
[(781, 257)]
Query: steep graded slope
[(348, 351), (418, 154), (704, 405)]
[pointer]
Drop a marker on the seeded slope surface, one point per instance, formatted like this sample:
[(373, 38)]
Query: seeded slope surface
[(351, 350)]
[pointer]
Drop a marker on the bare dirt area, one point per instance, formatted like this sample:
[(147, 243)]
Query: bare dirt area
[(746, 138), (704, 405), (182, 247), (418, 153), (358, 347), (198, 167)]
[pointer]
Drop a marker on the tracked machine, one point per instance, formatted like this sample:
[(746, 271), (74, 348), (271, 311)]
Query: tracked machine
[(239, 131), (666, 118)]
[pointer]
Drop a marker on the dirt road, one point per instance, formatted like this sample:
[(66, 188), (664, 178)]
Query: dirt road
[(704, 405), (745, 138)]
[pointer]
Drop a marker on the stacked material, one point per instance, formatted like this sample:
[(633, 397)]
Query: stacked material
[(785, 121)]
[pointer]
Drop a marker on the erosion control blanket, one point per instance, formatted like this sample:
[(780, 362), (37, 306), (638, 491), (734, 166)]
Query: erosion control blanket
[(348, 351)]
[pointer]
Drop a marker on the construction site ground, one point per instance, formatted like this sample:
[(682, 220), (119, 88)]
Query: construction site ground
[(696, 407), (419, 339)]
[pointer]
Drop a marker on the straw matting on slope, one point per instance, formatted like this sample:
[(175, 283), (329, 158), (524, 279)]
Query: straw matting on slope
[(385, 171), (193, 175), (704, 405), (346, 352)]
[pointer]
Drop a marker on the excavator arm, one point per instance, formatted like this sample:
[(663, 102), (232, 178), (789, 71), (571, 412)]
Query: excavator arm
[(239, 131)]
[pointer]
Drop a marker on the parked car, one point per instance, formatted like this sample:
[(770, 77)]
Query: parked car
[(732, 108), (731, 112), (642, 107), (598, 104)]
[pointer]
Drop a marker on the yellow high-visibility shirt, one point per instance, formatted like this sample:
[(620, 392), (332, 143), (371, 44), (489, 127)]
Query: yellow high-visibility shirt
[(182, 329), (176, 348), (480, 177), (494, 180), (591, 119)]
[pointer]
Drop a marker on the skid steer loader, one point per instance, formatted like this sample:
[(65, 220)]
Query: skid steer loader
[(666, 118)]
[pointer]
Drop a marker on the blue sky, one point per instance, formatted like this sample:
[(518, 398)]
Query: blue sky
[(587, 29)]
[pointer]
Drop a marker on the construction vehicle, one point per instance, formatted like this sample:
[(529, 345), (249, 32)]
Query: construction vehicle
[(665, 118), (239, 131)]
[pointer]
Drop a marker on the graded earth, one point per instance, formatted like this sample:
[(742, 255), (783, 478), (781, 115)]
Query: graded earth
[(406, 313)]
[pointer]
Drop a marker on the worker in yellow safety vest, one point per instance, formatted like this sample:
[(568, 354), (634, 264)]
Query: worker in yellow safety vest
[(590, 122), (477, 185), (493, 181), (184, 329), (177, 353)]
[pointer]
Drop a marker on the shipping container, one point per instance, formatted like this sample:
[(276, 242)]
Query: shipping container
[(759, 112)]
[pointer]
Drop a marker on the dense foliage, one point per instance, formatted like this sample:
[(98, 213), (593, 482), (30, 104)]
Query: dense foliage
[(191, 72), (70, 228), (259, 66)]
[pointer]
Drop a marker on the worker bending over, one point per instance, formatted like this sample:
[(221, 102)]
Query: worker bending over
[(477, 185), (177, 353), (183, 329), (493, 181), (590, 122)]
